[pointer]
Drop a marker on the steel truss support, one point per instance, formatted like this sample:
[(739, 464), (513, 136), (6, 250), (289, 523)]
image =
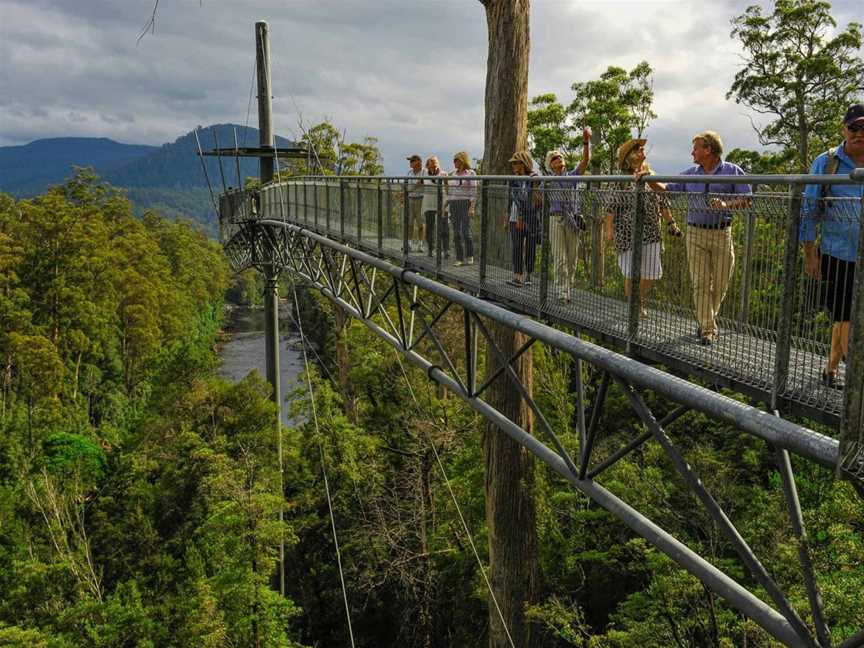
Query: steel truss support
[(390, 301)]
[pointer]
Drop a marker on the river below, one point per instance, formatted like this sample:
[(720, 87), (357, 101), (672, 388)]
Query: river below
[(244, 351)]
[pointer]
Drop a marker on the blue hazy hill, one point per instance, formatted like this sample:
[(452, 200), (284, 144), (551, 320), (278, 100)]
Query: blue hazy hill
[(168, 178)]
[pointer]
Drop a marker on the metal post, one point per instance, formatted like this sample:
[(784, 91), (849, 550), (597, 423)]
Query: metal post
[(814, 596), (305, 202), (439, 223), (484, 228), (638, 236), (327, 204), (747, 273), (389, 210), (380, 218), (597, 269), (359, 212), (271, 297), (851, 464), (787, 297), (545, 248), (406, 218), (265, 99), (342, 214), (315, 203)]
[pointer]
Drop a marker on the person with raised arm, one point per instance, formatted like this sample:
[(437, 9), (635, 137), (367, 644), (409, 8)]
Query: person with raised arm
[(565, 221)]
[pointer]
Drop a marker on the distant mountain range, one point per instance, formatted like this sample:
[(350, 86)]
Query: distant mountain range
[(168, 177)]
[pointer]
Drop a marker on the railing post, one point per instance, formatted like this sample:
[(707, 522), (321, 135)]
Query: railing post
[(747, 272), (851, 464), (787, 297), (597, 269), (327, 204), (305, 202), (315, 204), (439, 223), (545, 248), (389, 211), (380, 218), (638, 236), (484, 228), (359, 212), (406, 218), (342, 214)]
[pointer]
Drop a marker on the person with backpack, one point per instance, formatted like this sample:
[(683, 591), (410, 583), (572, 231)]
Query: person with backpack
[(523, 219), (835, 209)]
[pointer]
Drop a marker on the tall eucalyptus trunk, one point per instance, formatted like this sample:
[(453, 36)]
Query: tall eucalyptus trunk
[(509, 477)]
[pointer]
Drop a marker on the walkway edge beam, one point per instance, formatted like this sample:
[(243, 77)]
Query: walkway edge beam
[(711, 576), (781, 433)]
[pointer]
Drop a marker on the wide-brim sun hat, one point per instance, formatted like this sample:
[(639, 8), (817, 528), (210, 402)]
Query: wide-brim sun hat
[(525, 158), (626, 147), (551, 155)]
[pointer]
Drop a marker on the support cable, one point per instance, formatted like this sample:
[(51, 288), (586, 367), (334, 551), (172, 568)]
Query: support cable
[(456, 503), (323, 466), (206, 175), (249, 103)]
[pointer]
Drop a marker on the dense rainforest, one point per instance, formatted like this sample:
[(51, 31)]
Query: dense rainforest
[(139, 493)]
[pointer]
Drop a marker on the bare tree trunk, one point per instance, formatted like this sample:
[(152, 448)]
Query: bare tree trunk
[(344, 361), (803, 132), (506, 83), (509, 481), (426, 561)]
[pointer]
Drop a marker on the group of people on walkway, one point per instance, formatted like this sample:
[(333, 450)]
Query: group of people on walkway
[(710, 207), (713, 197), (426, 222)]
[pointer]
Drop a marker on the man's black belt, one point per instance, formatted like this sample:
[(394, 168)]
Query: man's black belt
[(714, 226)]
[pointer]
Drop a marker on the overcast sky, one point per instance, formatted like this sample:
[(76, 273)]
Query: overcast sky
[(409, 72)]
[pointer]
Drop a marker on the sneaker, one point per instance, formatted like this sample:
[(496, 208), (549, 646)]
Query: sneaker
[(469, 261), (459, 264), (528, 280), (831, 380), (515, 282), (707, 340)]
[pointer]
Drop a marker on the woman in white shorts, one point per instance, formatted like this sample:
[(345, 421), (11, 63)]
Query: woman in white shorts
[(621, 214)]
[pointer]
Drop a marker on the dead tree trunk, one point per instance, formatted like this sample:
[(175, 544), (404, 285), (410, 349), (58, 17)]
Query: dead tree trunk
[(509, 480), (344, 361)]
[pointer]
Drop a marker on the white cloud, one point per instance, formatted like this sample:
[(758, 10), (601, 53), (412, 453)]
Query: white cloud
[(411, 74)]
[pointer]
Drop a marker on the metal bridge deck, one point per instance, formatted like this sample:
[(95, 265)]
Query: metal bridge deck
[(742, 357)]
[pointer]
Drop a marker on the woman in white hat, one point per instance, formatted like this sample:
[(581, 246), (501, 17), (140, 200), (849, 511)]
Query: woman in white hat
[(621, 215)]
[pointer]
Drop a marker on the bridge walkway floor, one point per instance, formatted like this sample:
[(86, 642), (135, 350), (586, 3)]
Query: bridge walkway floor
[(742, 357)]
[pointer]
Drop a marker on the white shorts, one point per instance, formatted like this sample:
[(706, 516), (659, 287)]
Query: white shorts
[(651, 267)]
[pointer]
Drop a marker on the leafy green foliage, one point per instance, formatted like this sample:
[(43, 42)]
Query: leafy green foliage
[(800, 72), (138, 493)]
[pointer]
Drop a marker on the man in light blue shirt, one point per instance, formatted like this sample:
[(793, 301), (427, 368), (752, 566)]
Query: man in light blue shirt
[(836, 209)]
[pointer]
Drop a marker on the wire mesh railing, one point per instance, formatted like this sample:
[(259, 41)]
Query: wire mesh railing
[(707, 280)]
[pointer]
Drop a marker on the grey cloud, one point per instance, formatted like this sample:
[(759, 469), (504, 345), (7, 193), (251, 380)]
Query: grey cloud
[(410, 74)]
